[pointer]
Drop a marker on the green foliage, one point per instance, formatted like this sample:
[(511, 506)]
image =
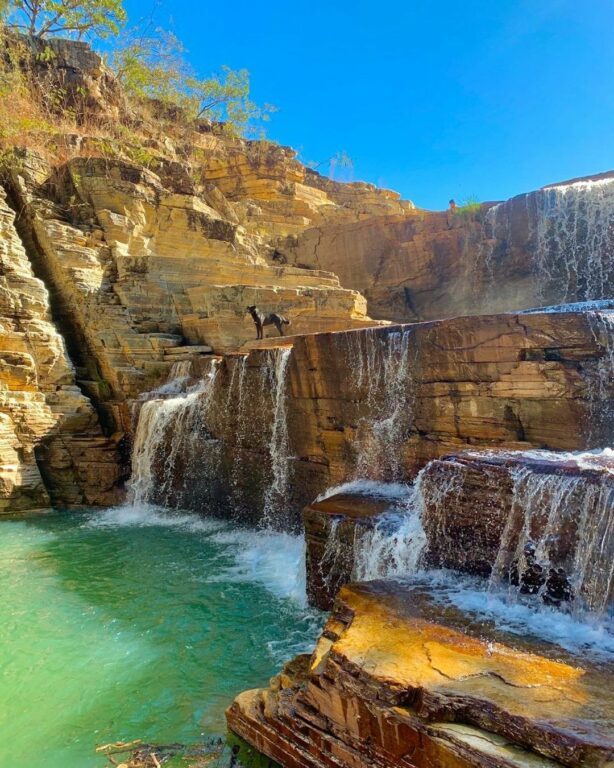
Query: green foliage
[(225, 98), (469, 207), (45, 18), (152, 65)]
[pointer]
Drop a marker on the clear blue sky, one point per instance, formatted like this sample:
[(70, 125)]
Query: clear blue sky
[(433, 98)]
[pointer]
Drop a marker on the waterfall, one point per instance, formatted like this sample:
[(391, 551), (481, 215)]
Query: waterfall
[(558, 541), (601, 392), (380, 369), (575, 239), (389, 546), (276, 494), (394, 546), (168, 432)]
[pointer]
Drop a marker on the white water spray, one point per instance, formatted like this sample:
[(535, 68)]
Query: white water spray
[(381, 369), (276, 494), (575, 239), (164, 425)]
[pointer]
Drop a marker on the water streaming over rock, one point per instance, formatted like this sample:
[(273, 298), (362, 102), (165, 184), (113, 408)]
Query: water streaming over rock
[(275, 498), (167, 453), (380, 366), (558, 542), (385, 547), (561, 238), (215, 437), (575, 239)]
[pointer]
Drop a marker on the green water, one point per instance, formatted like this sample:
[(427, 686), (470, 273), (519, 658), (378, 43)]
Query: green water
[(133, 623)]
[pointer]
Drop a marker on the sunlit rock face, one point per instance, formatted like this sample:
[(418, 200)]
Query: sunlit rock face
[(146, 261), (51, 446), (512, 381), (399, 679), (551, 246)]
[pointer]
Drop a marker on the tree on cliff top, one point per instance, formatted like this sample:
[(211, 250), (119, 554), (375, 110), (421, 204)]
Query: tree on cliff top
[(151, 64), (75, 18)]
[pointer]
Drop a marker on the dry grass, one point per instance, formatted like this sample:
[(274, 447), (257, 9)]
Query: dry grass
[(38, 113)]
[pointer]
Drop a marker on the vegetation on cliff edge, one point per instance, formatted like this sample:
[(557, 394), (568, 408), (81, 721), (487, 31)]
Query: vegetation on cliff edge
[(147, 101)]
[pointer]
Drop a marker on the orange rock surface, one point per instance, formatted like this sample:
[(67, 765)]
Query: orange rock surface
[(399, 680)]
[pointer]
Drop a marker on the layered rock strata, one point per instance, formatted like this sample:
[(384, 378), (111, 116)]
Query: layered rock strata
[(52, 448), (537, 521), (381, 403), (546, 247), (397, 679), (140, 263)]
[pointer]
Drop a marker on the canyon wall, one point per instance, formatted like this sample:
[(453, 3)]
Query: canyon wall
[(551, 246), (151, 245), (52, 448)]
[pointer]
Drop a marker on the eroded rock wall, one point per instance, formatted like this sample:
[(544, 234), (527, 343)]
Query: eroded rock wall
[(380, 403), (370, 404), (52, 449), (551, 246)]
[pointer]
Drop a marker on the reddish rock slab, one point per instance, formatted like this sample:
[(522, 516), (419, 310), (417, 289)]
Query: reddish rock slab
[(397, 679)]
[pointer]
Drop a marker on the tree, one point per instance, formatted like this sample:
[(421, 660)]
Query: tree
[(226, 98), (150, 63), (44, 18)]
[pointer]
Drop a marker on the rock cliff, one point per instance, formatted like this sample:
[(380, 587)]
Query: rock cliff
[(551, 246), (151, 243), (149, 246), (52, 448), (380, 403)]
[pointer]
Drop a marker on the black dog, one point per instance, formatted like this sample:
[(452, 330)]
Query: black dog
[(260, 320)]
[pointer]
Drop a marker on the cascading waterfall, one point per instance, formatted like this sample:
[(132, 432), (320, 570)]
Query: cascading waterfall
[(575, 239), (394, 545), (380, 366), (236, 402), (168, 430), (602, 326), (485, 262), (558, 542), (200, 445), (391, 546), (279, 445)]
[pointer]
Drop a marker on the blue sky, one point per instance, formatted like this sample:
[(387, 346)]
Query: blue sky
[(474, 98)]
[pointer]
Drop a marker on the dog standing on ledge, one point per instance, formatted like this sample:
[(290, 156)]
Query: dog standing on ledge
[(260, 320)]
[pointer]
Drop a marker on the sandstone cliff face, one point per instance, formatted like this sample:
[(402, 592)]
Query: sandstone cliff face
[(380, 403), (43, 414), (142, 267), (546, 247), (534, 522)]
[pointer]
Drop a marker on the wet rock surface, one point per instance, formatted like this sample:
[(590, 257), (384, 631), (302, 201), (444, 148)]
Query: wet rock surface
[(398, 679)]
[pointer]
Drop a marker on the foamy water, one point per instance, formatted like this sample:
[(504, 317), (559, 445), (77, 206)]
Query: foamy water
[(148, 515), (368, 488), (274, 560), (511, 613)]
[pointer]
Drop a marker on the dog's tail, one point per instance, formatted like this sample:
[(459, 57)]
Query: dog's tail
[(285, 322)]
